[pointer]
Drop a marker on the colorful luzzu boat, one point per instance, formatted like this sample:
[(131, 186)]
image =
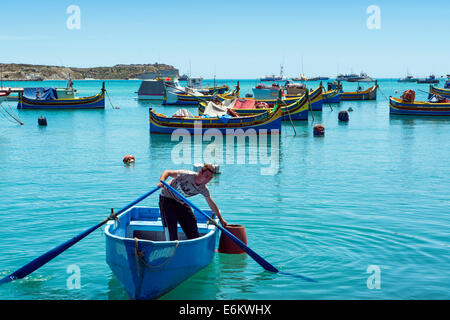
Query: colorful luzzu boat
[(268, 121), (4, 95), (315, 99), (331, 96), (146, 265), (443, 92), (178, 98), (297, 110), (47, 98), (399, 106), (368, 94)]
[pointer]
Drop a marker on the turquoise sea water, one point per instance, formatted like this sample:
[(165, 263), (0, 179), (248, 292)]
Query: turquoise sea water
[(373, 193)]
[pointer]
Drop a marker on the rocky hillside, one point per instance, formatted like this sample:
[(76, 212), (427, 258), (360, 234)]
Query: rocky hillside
[(41, 72)]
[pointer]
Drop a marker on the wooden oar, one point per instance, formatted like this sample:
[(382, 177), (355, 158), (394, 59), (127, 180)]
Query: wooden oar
[(266, 265), (46, 257)]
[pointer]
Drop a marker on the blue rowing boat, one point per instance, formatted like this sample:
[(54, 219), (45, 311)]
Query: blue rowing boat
[(147, 265)]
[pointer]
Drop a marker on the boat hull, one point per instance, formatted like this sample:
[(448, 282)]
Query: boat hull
[(94, 102), (440, 91), (147, 269), (267, 122), (369, 94), (331, 96), (315, 99), (397, 106), (297, 110)]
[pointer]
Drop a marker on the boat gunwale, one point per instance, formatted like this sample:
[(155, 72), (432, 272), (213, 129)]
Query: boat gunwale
[(212, 229)]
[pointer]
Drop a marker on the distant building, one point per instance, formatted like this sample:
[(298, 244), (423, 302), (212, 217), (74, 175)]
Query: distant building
[(153, 75)]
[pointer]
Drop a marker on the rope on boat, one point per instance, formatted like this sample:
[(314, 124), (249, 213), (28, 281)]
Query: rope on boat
[(382, 93), (141, 255), (110, 102), (113, 216), (309, 105), (13, 115), (290, 119)]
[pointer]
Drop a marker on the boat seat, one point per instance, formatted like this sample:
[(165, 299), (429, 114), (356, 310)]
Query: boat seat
[(153, 230)]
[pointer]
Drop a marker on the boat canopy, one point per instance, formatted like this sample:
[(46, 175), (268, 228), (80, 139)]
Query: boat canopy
[(40, 93)]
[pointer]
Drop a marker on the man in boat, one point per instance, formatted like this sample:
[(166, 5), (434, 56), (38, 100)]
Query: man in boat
[(174, 210)]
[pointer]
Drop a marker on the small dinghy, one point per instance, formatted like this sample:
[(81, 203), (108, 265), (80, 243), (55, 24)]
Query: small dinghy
[(148, 266)]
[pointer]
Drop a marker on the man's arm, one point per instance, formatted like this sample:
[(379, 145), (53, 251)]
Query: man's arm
[(166, 174), (215, 210)]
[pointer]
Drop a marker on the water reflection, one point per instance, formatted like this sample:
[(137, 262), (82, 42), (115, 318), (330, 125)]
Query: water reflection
[(115, 289)]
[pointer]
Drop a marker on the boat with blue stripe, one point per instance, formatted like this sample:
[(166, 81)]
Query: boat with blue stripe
[(398, 106), (268, 122), (443, 92), (146, 265), (47, 98)]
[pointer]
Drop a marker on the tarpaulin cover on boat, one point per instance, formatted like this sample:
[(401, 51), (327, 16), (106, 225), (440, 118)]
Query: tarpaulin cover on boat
[(217, 110), (244, 104), (40, 93)]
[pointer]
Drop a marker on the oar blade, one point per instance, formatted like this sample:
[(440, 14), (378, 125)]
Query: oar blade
[(53, 253)]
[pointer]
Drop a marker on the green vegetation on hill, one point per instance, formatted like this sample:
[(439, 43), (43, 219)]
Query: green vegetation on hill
[(41, 72)]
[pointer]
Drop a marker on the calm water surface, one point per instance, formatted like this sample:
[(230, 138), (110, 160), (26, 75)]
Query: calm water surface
[(372, 192)]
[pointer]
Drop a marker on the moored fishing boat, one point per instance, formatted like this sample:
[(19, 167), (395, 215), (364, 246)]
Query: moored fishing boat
[(331, 96), (146, 265), (431, 79), (214, 89), (368, 94), (4, 95), (408, 78), (315, 98), (296, 110), (402, 107), (268, 121), (154, 89), (47, 98), (363, 77), (263, 92), (190, 97), (443, 92)]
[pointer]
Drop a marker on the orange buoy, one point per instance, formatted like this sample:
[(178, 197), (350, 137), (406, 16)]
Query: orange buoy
[(226, 245), (128, 159)]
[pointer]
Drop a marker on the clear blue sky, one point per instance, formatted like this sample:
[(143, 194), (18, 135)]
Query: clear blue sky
[(233, 39)]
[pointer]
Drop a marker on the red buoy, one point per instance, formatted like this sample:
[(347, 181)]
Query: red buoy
[(319, 130), (226, 245), (128, 159)]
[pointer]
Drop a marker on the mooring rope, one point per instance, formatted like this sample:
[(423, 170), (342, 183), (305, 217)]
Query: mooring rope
[(141, 255), (110, 102), (15, 117), (382, 93), (309, 105)]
